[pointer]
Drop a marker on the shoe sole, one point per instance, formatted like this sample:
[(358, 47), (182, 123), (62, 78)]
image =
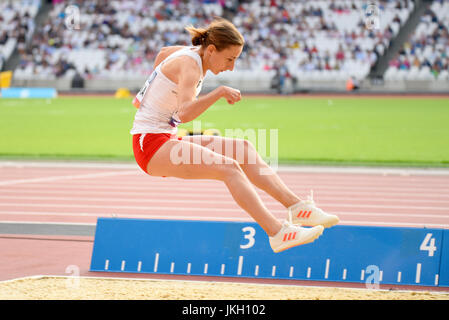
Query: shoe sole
[(327, 224), (316, 236)]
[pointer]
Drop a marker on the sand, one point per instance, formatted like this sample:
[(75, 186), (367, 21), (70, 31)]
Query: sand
[(85, 288)]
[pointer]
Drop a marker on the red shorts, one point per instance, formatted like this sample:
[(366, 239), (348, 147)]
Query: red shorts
[(144, 149)]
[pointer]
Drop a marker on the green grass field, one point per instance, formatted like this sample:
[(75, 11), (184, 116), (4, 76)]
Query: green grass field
[(340, 130)]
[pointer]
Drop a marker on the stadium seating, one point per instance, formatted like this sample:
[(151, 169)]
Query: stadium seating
[(290, 40), (425, 55), (310, 34), (16, 25), (114, 39)]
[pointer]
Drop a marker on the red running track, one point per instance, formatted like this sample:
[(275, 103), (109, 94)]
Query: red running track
[(80, 193)]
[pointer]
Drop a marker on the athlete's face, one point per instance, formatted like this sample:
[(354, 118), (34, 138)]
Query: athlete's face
[(223, 60)]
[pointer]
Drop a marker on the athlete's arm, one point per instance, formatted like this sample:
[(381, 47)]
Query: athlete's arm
[(190, 107)]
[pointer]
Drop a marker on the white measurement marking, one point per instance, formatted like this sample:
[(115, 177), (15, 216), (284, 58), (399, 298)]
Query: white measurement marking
[(256, 270), (326, 272), (139, 266), (362, 276), (418, 273), (291, 272), (106, 265), (122, 267), (399, 276), (172, 267), (273, 271), (344, 274), (156, 261), (189, 267), (222, 269), (436, 279), (205, 268), (309, 271), (240, 266)]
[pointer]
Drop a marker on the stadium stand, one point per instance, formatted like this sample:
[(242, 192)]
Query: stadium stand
[(425, 56), (318, 40), (290, 44), (115, 39), (16, 26)]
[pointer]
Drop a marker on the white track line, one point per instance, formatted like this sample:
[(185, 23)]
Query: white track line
[(68, 177), (108, 215), (112, 208), (137, 182), (280, 168), (42, 222), (387, 197), (287, 175), (224, 218), (374, 191), (188, 202), (299, 181), (136, 194), (175, 208), (68, 164), (240, 212), (37, 277), (152, 185)]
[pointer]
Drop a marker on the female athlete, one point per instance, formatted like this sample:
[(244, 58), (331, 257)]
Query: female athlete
[(169, 97)]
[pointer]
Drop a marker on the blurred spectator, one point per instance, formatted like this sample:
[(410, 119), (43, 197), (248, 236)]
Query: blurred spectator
[(121, 38), (425, 55), (16, 25), (323, 36)]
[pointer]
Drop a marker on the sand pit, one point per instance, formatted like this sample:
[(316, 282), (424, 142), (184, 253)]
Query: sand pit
[(66, 288)]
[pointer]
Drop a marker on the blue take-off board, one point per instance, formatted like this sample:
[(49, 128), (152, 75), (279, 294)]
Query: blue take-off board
[(371, 255)]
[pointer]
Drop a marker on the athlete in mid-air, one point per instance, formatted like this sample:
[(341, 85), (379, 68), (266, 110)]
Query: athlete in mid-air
[(169, 97)]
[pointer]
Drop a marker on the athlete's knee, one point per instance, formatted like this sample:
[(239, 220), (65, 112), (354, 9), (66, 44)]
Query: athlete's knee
[(248, 145), (231, 169), (247, 153)]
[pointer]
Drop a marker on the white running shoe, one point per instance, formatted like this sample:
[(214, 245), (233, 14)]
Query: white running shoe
[(306, 213), (290, 236)]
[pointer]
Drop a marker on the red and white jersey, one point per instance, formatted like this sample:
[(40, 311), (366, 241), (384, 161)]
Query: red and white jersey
[(157, 100)]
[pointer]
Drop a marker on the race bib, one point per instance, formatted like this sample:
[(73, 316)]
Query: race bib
[(141, 94)]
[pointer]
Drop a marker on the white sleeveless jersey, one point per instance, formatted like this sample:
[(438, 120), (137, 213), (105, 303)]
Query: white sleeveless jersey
[(157, 100)]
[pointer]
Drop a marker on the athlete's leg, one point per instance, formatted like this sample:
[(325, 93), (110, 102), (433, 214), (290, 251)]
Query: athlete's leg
[(180, 159), (255, 168), (262, 176)]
